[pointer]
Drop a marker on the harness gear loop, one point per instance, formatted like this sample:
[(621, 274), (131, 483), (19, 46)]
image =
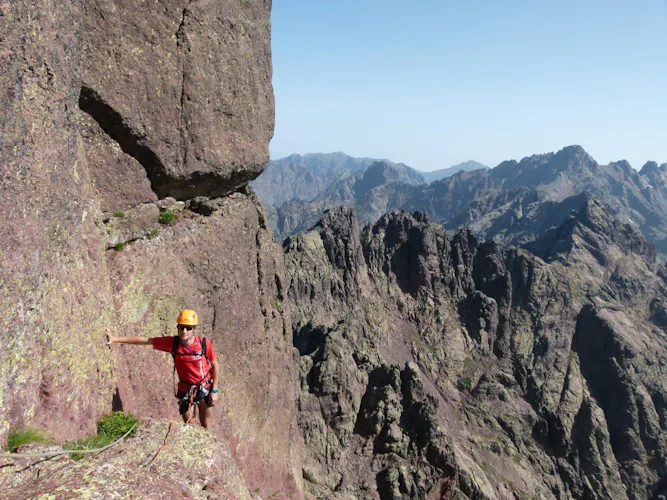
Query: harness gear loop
[(191, 402)]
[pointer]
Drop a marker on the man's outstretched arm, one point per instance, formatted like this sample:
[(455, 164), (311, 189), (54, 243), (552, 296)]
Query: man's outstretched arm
[(112, 339)]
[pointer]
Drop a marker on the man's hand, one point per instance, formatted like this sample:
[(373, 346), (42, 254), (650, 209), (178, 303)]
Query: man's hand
[(214, 398), (110, 338)]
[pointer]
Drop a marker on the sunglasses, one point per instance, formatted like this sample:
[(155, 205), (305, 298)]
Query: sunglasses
[(186, 327)]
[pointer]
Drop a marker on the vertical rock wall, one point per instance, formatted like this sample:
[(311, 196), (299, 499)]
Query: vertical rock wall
[(227, 267), (54, 289), (108, 107)]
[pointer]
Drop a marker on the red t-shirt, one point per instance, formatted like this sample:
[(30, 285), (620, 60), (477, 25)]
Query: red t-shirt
[(191, 365)]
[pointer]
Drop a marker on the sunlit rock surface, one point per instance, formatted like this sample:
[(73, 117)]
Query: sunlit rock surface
[(161, 460)]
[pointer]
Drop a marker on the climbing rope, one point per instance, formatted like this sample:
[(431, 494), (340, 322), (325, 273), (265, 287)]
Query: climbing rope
[(166, 439)]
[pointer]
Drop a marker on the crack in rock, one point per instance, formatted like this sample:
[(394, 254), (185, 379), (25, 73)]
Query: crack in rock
[(131, 142)]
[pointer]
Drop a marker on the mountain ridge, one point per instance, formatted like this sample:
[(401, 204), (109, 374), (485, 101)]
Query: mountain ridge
[(637, 197), (504, 358)]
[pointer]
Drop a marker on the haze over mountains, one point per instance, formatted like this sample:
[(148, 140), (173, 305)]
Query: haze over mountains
[(302, 177), (309, 184), (511, 203)]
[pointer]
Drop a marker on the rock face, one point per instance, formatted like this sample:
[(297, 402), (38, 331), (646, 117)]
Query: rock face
[(437, 366), (184, 89), (227, 264), (111, 111)]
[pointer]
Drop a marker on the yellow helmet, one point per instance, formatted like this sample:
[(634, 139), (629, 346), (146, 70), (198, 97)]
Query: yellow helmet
[(187, 317)]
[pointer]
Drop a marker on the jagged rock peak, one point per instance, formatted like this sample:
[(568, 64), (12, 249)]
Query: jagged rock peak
[(340, 219), (571, 156), (649, 168), (594, 227), (599, 217), (625, 166), (400, 218), (574, 150)]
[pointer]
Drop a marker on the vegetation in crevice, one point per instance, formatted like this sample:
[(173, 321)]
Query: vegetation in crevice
[(109, 428), (20, 437), (166, 218)]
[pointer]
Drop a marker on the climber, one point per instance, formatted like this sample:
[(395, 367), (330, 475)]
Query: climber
[(194, 361)]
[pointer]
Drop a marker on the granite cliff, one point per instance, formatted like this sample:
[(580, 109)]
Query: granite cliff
[(117, 116)]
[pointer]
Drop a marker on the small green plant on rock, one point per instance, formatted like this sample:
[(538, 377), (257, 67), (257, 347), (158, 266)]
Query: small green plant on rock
[(119, 246), (109, 429), (20, 437), (116, 424), (166, 217), (153, 233), (119, 215), (465, 384)]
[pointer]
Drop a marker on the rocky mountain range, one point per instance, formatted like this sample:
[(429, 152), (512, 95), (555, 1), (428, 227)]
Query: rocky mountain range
[(436, 365), (511, 202), (297, 189), (303, 177)]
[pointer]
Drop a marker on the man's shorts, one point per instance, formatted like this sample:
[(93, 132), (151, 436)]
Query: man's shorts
[(184, 401)]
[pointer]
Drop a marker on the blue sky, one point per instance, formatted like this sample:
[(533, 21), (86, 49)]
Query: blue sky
[(434, 83)]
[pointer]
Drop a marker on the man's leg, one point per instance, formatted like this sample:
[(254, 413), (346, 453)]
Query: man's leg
[(205, 414)]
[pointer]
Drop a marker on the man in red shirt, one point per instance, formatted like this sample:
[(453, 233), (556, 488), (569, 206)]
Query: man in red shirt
[(196, 365)]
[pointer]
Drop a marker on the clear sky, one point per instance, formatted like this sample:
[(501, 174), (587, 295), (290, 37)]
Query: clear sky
[(437, 82)]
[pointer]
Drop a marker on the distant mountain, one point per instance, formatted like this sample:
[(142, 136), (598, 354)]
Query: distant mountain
[(467, 166), (511, 203), (373, 191), (298, 177), (303, 177), (308, 184)]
